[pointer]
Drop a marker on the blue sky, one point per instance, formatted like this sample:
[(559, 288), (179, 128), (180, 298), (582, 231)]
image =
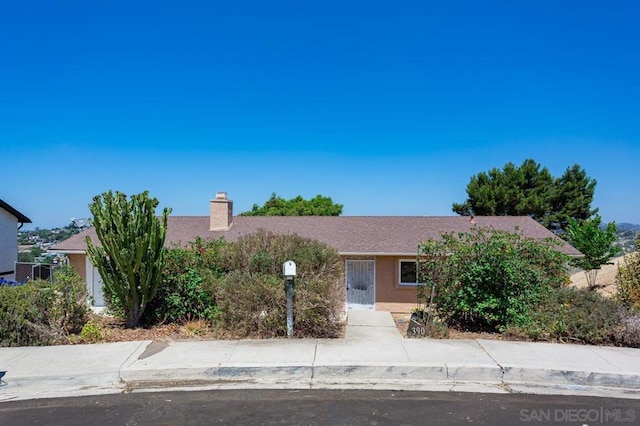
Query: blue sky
[(387, 107)]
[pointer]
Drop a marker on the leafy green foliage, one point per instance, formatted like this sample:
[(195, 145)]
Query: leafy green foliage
[(26, 256), (35, 253), (251, 295), (432, 269), (628, 280), (91, 333), (24, 320), (42, 312), (489, 279), (69, 309), (183, 294), (572, 315), (595, 243), (530, 190), (131, 258), (298, 206)]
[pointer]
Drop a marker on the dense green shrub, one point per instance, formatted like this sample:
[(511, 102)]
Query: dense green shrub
[(69, 310), (21, 317), (91, 333), (182, 295), (628, 280), (42, 312), (488, 279), (251, 296), (573, 315)]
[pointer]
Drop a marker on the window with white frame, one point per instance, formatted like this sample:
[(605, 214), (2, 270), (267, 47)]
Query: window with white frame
[(408, 272)]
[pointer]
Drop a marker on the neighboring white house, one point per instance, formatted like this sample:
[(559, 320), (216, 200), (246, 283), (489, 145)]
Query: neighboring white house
[(9, 220)]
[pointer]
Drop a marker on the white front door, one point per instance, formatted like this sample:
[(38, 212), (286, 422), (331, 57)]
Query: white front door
[(361, 284)]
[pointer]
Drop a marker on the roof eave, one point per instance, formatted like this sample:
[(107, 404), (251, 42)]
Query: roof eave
[(21, 218), (68, 251)]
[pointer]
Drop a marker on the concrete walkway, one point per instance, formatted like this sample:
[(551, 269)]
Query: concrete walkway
[(373, 355)]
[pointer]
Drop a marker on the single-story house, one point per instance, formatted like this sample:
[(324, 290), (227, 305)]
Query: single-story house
[(379, 251), (9, 220)]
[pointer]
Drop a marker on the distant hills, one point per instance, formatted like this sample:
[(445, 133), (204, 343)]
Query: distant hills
[(622, 227), (627, 236)]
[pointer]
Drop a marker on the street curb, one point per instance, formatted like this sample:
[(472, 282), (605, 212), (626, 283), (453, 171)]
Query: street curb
[(51, 387), (231, 374), (529, 376), (392, 377)]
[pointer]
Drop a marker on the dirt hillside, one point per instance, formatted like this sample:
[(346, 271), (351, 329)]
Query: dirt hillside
[(605, 280)]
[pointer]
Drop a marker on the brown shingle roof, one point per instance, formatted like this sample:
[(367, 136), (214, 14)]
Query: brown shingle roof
[(390, 235)]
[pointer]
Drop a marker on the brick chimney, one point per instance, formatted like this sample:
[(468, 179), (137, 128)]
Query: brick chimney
[(221, 217)]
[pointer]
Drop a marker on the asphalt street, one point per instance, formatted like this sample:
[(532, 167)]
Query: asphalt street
[(320, 407)]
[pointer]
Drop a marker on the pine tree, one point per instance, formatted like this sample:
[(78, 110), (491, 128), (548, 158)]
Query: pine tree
[(571, 199), (530, 190)]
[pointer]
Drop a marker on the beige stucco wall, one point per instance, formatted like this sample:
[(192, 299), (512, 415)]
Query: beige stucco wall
[(387, 278), (79, 264)]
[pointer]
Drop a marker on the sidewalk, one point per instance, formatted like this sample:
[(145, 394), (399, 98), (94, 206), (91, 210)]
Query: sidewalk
[(373, 355)]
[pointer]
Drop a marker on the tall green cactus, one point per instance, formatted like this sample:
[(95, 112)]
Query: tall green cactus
[(131, 258)]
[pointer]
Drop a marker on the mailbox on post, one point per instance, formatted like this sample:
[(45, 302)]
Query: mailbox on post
[(289, 272), (289, 269)]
